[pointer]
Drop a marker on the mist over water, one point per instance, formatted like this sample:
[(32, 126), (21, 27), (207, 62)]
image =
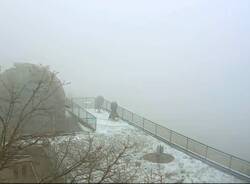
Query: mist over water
[(182, 64)]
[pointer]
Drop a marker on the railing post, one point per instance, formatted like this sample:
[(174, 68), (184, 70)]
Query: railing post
[(143, 122), (78, 113), (93, 104), (155, 129), (132, 119), (187, 143), (95, 123), (230, 162), (122, 113), (85, 116), (85, 101), (72, 105), (170, 139), (206, 152)]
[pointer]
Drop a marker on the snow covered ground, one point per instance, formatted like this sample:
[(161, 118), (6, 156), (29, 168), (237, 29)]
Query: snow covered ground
[(183, 169)]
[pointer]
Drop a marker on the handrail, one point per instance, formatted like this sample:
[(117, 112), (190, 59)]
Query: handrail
[(213, 156), (77, 110)]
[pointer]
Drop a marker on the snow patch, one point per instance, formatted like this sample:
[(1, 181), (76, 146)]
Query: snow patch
[(183, 169)]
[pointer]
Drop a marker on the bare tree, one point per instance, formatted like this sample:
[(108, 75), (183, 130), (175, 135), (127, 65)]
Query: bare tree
[(24, 104), (92, 160), (30, 104)]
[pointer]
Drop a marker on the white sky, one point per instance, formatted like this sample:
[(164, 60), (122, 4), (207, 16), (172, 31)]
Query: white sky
[(184, 64)]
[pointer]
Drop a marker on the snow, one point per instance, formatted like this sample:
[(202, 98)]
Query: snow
[(183, 169)]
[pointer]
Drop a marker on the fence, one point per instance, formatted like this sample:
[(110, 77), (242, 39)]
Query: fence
[(80, 114), (210, 155)]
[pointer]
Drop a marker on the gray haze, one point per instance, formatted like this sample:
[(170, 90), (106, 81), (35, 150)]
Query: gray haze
[(184, 64)]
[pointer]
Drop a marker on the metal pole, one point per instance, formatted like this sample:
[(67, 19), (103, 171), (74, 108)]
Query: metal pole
[(206, 152), (72, 105), (85, 102), (187, 143), (170, 136), (143, 121), (86, 116), (230, 162), (78, 113), (122, 113)]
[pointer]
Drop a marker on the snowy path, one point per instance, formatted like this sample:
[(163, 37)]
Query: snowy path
[(183, 168)]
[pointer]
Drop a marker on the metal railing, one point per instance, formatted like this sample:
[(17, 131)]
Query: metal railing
[(219, 159), (80, 114)]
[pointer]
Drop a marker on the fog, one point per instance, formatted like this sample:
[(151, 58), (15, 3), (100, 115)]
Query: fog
[(183, 64)]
